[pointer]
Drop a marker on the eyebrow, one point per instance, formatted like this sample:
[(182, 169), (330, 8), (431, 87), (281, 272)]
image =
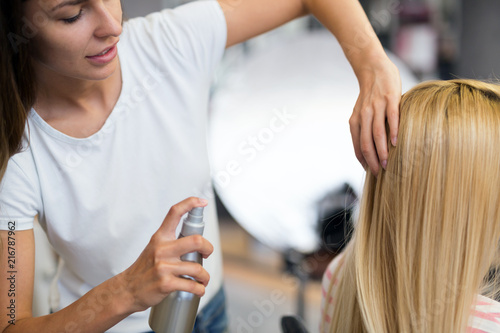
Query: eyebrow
[(68, 3)]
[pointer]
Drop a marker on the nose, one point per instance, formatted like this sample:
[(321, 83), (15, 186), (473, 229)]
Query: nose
[(109, 19)]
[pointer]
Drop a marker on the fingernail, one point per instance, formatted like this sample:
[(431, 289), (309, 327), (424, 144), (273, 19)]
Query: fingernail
[(203, 201), (394, 140), (384, 164)]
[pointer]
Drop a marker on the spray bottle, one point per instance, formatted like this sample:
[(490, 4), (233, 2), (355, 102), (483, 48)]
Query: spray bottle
[(177, 312)]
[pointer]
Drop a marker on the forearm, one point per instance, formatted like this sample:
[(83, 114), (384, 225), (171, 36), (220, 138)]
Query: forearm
[(348, 22), (98, 310)]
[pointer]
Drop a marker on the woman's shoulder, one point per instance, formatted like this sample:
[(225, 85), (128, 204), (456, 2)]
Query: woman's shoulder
[(175, 24), (189, 36), (332, 267), (485, 316), (23, 159)]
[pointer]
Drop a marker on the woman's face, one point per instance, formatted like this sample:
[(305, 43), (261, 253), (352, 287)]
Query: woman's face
[(74, 38)]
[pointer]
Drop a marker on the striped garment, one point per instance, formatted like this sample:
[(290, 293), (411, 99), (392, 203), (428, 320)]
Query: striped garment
[(485, 316)]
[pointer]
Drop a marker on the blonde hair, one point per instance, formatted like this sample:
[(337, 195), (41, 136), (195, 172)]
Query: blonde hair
[(429, 225)]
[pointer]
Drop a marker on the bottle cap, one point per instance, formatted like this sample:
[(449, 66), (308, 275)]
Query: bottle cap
[(196, 215)]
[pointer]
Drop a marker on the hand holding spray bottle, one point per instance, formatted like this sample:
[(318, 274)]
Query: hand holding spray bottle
[(177, 312)]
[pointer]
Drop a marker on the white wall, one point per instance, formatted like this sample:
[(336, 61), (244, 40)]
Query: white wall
[(133, 8), (480, 47)]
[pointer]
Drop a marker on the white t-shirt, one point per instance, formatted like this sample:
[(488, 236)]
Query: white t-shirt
[(100, 198)]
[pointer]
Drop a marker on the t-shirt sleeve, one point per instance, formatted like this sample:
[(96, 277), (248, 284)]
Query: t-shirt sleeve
[(19, 198), (485, 316), (195, 33), (328, 290)]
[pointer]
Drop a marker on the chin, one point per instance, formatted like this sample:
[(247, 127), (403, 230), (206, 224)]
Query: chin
[(102, 73)]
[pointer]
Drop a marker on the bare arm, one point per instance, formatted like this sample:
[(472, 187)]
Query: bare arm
[(16, 288), (378, 77), (152, 277)]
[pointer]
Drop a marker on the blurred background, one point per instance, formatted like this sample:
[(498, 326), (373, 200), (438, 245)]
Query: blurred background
[(436, 38), (284, 172)]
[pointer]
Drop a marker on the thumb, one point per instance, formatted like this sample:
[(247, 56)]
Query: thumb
[(177, 211)]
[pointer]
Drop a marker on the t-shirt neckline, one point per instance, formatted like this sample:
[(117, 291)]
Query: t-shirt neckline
[(44, 126)]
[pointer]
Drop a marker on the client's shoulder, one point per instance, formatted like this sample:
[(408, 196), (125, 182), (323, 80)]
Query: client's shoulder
[(485, 316)]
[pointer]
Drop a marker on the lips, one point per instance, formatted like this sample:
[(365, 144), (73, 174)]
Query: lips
[(104, 57), (105, 51)]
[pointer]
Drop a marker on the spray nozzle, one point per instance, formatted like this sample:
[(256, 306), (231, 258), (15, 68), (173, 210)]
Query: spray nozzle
[(195, 215)]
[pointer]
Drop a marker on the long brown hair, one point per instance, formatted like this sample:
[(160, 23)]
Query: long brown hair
[(429, 225), (17, 86)]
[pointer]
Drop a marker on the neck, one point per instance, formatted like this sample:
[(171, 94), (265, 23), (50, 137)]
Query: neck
[(59, 95)]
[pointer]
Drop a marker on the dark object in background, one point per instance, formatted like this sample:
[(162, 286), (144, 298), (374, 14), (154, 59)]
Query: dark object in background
[(334, 219), (334, 227), (292, 324)]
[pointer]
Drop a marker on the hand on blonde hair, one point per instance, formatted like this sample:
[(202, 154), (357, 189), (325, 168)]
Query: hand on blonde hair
[(380, 93)]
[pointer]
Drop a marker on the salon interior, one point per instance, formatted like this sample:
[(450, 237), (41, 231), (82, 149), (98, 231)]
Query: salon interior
[(284, 172)]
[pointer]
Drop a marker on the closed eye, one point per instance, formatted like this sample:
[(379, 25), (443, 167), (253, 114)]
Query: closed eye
[(73, 19)]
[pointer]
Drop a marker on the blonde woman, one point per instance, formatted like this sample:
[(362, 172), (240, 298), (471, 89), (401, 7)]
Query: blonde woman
[(429, 225)]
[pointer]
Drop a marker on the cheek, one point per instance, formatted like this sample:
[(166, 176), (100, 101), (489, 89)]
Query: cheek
[(57, 48)]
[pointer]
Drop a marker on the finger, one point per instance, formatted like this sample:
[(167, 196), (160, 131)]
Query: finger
[(355, 130), (393, 118), (367, 146), (177, 248), (193, 270), (379, 134), (177, 211), (191, 286), (171, 283)]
